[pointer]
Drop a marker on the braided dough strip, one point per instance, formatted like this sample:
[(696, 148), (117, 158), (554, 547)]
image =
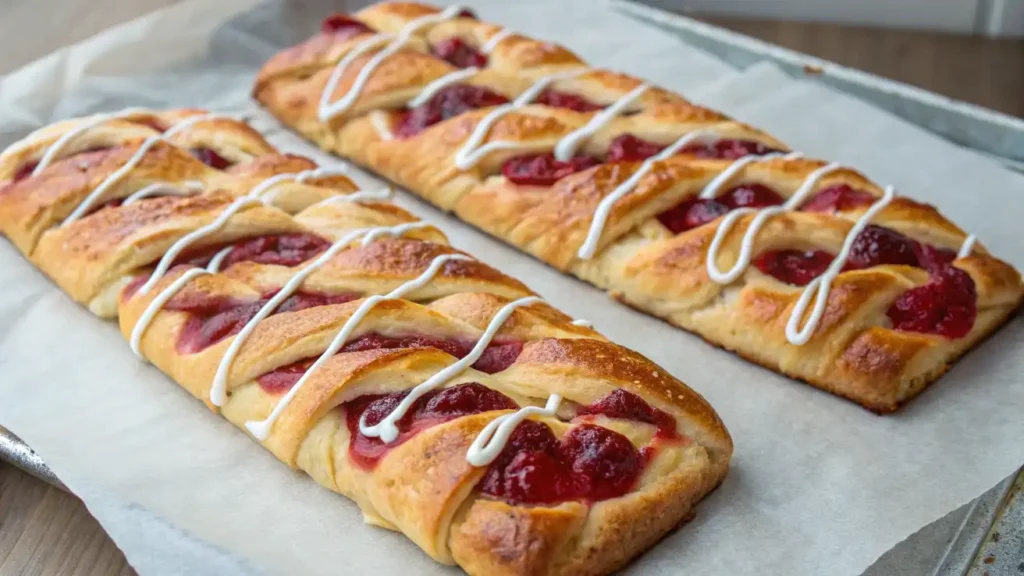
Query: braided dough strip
[(852, 352), (424, 486)]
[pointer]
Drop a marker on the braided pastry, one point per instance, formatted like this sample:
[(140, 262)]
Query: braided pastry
[(803, 266), (445, 398)]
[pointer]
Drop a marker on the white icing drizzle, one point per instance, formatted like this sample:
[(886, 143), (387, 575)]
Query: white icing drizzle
[(218, 259), (361, 196), (436, 86), (566, 147), (119, 174), (164, 189), (967, 248), (381, 122), (711, 190), (110, 181), (473, 150), (54, 149), (393, 231), (263, 189), (197, 234), (257, 196), (218, 392), (322, 172), (387, 429), (747, 244), (157, 304), (193, 120), (328, 110), (493, 41), (820, 286), (604, 208), (583, 323), (492, 439), (261, 429)]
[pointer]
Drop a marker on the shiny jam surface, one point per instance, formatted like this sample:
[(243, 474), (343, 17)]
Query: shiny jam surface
[(697, 212), (629, 406), (433, 408), (543, 169), (282, 250), (497, 357), (796, 267), (557, 99), (877, 245), (212, 319), (590, 463), (629, 148), (458, 53), (728, 149), (837, 198), (343, 27), (210, 157), (447, 103), (946, 305)]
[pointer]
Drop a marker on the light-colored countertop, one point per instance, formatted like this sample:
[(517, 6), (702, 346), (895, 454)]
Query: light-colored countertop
[(48, 532)]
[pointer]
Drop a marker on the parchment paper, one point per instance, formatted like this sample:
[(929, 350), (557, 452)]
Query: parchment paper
[(818, 485)]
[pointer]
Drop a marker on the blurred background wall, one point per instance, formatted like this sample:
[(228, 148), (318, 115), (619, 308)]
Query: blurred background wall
[(984, 17)]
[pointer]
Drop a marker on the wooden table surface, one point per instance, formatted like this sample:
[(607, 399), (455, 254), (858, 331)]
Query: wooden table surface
[(44, 531)]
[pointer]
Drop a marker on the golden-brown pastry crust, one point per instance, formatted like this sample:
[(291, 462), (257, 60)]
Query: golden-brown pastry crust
[(853, 353), (190, 322)]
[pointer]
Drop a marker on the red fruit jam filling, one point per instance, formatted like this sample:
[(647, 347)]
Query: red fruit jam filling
[(691, 214), (25, 171), (946, 305), (575, 102), (214, 318), (794, 267), (433, 408), (629, 406), (697, 212), (447, 103), (211, 158), (837, 198), (283, 250), (457, 53), (728, 149), (343, 27), (876, 246), (629, 148), (750, 196), (497, 357), (543, 169), (591, 463)]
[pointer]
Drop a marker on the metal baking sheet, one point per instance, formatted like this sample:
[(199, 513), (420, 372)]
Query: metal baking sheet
[(14, 451), (987, 535)]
